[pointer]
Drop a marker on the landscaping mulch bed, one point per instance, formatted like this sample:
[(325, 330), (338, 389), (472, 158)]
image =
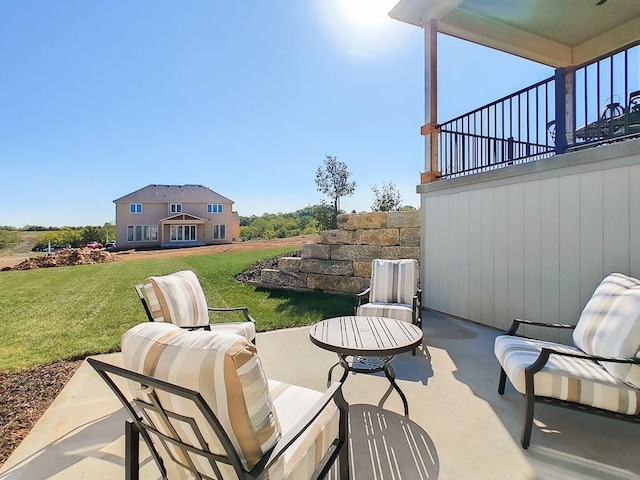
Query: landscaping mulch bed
[(25, 397)]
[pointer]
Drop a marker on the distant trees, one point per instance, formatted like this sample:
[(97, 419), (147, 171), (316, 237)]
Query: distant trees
[(75, 236), (332, 179), (280, 225), (8, 238), (387, 198)]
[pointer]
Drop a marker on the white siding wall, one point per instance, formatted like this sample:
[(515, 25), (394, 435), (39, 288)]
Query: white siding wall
[(531, 241)]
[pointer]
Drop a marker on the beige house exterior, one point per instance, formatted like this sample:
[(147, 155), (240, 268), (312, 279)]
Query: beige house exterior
[(175, 216)]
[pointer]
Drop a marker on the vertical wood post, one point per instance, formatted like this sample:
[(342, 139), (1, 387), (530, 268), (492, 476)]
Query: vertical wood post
[(430, 129)]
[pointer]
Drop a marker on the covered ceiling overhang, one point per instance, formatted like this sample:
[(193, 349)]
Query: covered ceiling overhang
[(182, 219), (557, 33)]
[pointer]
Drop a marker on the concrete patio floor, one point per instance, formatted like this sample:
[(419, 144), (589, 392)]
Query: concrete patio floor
[(458, 426)]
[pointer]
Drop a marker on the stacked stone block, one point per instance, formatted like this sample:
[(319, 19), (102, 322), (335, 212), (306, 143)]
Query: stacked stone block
[(341, 261)]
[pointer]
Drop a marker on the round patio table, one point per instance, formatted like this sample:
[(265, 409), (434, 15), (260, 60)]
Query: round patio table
[(366, 344)]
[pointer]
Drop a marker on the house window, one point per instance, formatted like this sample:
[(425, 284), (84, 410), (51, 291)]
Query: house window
[(182, 233), (219, 232), (175, 208), (142, 233), (135, 208), (214, 208)]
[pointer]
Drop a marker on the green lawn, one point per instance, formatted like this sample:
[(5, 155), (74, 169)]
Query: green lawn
[(59, 313)]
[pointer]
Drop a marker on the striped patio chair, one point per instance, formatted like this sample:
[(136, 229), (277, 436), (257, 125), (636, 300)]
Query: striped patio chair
[(205, 409), (178, 298), (600, 373)]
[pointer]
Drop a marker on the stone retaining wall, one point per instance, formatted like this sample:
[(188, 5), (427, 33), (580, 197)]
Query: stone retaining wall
[(341, 261)]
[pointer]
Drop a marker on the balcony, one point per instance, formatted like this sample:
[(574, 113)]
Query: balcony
[(458, 426), (579, 107)]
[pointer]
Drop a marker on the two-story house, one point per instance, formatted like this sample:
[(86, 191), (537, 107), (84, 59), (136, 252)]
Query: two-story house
[(175, 216)]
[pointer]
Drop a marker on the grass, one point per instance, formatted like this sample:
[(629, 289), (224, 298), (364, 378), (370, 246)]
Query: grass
[(47, 315)]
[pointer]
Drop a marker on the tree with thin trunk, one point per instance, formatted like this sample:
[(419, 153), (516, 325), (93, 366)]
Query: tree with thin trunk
[(387, 198), (332, 179)]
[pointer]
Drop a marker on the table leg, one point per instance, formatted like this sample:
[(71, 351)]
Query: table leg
[(391, 376), (342, 361)]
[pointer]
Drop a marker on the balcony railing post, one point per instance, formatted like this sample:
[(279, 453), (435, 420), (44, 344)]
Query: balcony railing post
[(561, 111)]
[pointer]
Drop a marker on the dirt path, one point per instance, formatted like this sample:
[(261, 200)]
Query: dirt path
[(12, 260)]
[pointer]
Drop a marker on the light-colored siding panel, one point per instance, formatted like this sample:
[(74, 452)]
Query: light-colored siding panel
[(591, 233), (616, 220), (501, 236), (532, 255), (475, 255), (430, 254), (487, 253), (550, 254), (634, 221), (443, 253), (515, 250), (569, 194), (452, 255), (464, 259)]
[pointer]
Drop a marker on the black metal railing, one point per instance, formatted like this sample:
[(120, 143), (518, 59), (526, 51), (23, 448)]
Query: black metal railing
[(605, 100), (589, 104), (510, 130)]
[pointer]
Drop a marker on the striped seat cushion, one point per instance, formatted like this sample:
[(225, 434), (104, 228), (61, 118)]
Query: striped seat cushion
[(609, 325), (177, 298), (581, 381), (292, 402), (399, 311), (225, 369), (393, 281)]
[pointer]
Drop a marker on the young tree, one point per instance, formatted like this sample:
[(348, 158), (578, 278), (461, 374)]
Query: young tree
[(387, 199), (332, 179)]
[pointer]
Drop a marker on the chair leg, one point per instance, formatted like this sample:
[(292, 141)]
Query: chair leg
[(502, 381), (343, 433), (132, 451), (528, 421)]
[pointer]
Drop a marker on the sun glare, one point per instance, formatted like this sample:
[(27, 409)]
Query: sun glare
[(362, 28), (366, 13)]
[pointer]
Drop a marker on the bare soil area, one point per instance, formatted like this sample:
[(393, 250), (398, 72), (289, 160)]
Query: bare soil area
[(38, 260), (27, 394)]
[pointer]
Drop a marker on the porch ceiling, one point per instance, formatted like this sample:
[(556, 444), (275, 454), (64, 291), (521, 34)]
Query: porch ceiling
[(552, 32)]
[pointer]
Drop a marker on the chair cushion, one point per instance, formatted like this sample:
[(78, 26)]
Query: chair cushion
[(393, 281), (609, 325), (572, 379), (177, 298), (292, 403), (227, 372), (399, 311), (246, 329)]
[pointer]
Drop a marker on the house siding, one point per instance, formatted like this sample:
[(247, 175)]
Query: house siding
[(532, 241), (154, 211)]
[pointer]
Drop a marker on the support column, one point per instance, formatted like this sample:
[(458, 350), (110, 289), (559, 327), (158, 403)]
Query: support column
[(430, 128)]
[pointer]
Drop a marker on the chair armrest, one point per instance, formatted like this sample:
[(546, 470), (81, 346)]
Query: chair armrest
[(139, 290), (545, 353), (519, 321), (245, 312), (334, 391), (362, 296)]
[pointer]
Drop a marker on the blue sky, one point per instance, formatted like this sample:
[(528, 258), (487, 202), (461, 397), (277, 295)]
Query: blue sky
[(99, 99)]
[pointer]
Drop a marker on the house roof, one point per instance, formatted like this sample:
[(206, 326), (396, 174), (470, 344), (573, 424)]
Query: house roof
[(557, 33), (173, 194), (182, 218)]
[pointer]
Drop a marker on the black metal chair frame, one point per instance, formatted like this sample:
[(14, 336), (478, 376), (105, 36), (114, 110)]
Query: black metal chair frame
[(535, 367), (140, 424), (245, 311)]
